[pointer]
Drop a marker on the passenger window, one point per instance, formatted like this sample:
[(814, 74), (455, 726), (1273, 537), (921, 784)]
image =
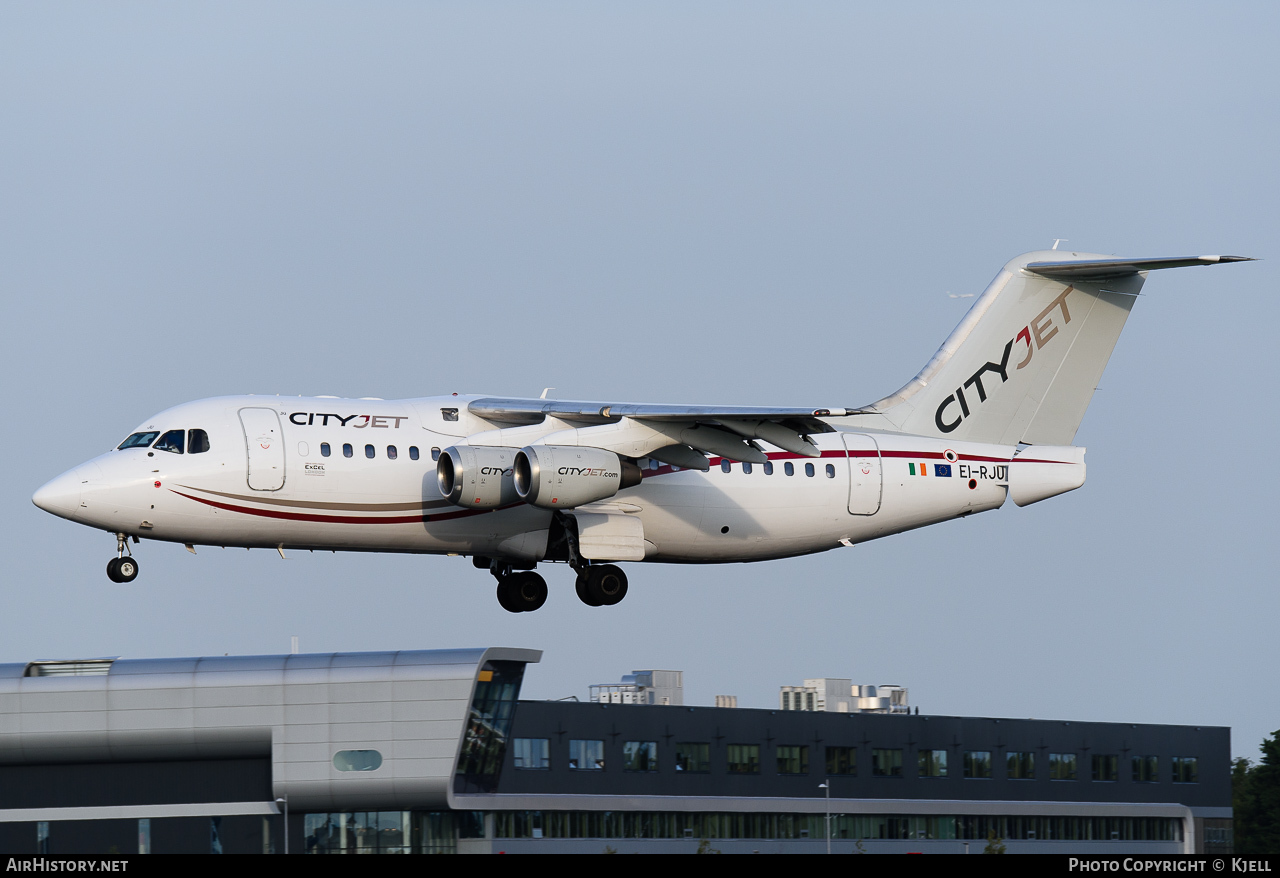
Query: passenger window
[(368, 451), (346, 450), (138, 440), (808, 469), (789, 468), (413, 452), (831, 470), (435, 453), (172, 441), (324, 449), (768, 468), (746, 467), (197, 442), (725, 466), (391, 452)]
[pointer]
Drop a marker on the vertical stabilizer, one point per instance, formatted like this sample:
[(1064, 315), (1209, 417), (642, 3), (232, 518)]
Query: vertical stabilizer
[(1024, 362)]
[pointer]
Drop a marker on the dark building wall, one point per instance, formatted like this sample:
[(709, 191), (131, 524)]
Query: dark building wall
[(134, 783), (561, 722)]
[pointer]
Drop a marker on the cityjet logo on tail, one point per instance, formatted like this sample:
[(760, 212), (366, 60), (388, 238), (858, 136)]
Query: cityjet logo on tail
[(1035, 335)]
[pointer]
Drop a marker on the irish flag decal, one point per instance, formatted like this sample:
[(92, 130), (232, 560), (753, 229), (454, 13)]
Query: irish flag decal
[(918, 469)]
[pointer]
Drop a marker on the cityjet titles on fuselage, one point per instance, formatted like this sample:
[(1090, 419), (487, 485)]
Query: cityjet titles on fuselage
[(308, 419)]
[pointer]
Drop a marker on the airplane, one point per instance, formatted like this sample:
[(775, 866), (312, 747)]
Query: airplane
[(513, 483)]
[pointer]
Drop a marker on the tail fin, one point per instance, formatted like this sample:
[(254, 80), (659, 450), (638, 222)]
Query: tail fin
[(1024, 362)]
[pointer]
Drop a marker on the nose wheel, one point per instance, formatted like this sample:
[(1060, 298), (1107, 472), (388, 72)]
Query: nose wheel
[(122, 568)]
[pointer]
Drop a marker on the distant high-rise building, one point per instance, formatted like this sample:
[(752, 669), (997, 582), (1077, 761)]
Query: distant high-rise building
[(835, 695), (726, 701)]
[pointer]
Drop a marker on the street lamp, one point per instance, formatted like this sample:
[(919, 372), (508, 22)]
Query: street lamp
[(283, 802), (827, 786)]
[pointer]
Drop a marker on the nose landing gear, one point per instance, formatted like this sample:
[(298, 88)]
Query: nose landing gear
[(122, 568)]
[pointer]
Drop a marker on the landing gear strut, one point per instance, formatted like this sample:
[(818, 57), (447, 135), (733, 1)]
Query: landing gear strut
[(122, 568), (520, 591), (601, 585)]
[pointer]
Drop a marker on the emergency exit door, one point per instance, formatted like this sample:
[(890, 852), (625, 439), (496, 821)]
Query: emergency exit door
[(264, 442)]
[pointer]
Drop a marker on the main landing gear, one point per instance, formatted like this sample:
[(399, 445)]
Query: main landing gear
[(122, 568), (601, 585), (523, 591)]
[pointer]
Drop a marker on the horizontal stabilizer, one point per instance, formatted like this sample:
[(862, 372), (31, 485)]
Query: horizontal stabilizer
[(1081, 269)]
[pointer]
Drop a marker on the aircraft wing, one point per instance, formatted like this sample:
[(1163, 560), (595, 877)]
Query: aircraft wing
[(676, 434)]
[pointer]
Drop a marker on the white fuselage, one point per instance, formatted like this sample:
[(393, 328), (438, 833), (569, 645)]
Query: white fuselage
[(285, 491)]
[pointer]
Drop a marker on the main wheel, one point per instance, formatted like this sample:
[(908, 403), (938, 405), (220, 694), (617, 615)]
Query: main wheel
[(126, 569), (522, 592), (606, 584), (113, 570), (528, 591), (584, 593)]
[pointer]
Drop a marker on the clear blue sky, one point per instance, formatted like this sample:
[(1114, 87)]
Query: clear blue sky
[(707, 203)]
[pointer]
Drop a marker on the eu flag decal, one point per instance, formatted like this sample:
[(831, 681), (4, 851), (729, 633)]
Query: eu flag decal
[(942, 470)]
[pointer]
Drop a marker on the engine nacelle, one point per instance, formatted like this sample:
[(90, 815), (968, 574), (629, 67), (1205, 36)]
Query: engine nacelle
[(477, 476), (565, 476)]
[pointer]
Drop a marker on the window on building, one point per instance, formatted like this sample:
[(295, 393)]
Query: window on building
[(1106, 767), (1062, 766), (1185, 769), (532, 753), (357, 760), (346, 450), (789, 468), (933, 763), (977, 763), (197, 442), (693, 757), (842, 761), (640, 756), (1146, 769), (793, 760), (324, 449), (886, 762), (1021, 764), (744, 758), (586, 755)]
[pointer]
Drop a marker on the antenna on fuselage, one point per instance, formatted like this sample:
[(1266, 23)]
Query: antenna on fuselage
[(545, 391)]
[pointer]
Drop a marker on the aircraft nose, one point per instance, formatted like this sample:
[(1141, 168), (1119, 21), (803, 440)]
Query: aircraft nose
[(61, 496)]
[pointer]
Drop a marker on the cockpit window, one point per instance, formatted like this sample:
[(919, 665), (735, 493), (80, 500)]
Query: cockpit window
[(197, 441), (139, 440), (172, 441)]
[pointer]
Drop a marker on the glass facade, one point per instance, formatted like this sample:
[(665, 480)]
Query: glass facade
[(484, 744), (659, 824), (380, 832)]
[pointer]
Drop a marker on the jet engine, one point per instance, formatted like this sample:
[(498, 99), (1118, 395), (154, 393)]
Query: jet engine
[(564, 476), (477, 476)]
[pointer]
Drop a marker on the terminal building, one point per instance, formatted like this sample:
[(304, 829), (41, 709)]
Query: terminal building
[(433, 752)]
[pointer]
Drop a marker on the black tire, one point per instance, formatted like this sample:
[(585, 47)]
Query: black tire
[(126, 569), (607, 584), (527, 591), (584, 593), (113, 572), (505, 596)]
